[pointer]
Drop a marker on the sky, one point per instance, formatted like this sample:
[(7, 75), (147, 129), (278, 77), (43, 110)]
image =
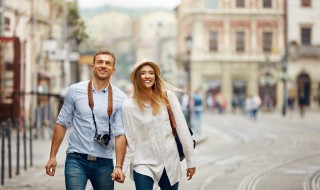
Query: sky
[(129, 3)]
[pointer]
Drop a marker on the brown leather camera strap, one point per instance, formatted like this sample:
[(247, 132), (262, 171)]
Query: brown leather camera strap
[(91, 104), (110, 98)]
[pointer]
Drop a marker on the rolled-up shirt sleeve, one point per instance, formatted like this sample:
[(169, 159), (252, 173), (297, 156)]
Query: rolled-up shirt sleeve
[(117, 123), (67, 111)]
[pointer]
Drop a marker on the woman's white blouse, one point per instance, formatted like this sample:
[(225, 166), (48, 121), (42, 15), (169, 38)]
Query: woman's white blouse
[(151, 146)]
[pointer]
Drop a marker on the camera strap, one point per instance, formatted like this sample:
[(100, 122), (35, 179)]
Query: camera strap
[(91, 104)]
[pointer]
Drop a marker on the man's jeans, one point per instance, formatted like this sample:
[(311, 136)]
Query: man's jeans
[(78, 170)]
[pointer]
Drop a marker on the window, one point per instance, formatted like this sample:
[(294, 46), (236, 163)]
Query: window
[(240, 41), (213, 41), (305, 3), (306, 36), (7, 23), (212, 4), (240, 3), (267, 41), (267, 3)]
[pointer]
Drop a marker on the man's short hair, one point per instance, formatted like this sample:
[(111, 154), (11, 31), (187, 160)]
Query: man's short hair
[(106, 52)]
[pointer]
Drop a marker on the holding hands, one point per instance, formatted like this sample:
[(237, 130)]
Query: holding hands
[(118, 175)]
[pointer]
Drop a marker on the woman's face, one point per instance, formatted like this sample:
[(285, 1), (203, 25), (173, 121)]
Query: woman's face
[(147, 76)]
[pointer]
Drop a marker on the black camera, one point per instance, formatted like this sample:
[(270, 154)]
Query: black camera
[(103, 139)]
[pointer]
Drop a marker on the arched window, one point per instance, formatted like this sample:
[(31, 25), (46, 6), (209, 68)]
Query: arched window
[(304, 88)]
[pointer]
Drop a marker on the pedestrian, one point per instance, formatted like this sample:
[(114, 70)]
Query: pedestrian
[(302, 100), (151, 153), (185, 104), (255, 105), (291, 101), (210, 102), (234, 104), (220, 102), (87, 107), (197, 110)]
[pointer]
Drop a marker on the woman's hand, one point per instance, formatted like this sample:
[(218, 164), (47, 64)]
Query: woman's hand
[(190, 172), (118, 175)]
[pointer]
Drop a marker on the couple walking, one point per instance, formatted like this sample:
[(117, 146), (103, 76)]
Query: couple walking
[(138, 129)]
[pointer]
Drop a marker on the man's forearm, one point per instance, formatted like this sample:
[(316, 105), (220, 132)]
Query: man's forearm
[(120, 148), (58, 135)]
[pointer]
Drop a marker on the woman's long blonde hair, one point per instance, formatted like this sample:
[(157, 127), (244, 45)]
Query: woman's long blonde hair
[(158, 96)]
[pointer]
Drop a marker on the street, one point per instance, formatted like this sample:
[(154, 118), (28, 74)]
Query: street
[(274, 152)]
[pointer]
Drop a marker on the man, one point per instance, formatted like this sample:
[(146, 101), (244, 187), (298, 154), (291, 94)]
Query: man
[(89, 155)]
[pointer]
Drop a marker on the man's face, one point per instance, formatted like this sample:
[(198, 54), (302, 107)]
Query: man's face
[(103, 67)]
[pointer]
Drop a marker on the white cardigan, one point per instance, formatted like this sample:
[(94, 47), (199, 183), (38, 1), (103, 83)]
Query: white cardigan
[(151, 146)]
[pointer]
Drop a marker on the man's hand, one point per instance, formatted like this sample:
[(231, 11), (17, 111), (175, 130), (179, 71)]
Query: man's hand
[(118, 175), (190, 172), (51, 166)]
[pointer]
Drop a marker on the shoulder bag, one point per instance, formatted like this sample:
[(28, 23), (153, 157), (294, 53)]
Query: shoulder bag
[(174, 132)]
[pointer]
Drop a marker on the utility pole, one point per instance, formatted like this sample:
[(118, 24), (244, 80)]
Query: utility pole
[(66, 62), (1, 17), (1, 50), (285, 60)]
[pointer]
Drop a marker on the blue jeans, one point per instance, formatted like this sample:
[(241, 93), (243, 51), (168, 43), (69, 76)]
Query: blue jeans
[(144, 182), (197, 122), (78, 170)]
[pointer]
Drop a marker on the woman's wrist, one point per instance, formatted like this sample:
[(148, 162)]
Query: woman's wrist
[(118, 167)]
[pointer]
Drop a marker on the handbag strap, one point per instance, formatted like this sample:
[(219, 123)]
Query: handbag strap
[(171, 117)]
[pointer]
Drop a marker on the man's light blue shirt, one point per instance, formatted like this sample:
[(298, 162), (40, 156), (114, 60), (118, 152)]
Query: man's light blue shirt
[(77, 113)]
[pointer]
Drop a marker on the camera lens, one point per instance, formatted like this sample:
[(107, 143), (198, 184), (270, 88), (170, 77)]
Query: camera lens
[(106, 139)]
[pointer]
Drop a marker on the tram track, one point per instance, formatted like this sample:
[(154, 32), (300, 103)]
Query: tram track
[(250, 182), (237, 154), (267, 141), (312, 182)]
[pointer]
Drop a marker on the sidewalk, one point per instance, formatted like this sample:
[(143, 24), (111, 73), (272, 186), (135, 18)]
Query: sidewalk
[(35, 177)]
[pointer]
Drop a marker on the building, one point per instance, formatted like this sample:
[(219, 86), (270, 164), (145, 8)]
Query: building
[(304, 51), (232, 47), (40, 28), (136, 34), (155, 39)]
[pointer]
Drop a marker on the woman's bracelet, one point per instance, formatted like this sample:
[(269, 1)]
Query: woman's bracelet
[(118, 167)]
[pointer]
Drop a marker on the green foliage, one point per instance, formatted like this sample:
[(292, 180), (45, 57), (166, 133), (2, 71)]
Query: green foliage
[(76, 22)]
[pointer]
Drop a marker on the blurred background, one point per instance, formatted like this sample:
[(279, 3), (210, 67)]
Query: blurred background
[(223, 52), (237, 48)]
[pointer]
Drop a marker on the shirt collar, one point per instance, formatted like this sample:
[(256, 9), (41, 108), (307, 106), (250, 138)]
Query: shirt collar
[(103, 90)]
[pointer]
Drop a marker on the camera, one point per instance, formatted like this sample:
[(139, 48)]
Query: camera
[(103, 139)]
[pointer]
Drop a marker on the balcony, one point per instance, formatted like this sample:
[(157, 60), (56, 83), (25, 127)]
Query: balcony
[(304, 51)]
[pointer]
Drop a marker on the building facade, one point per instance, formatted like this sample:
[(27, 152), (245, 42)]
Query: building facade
[(40, 28), (155, 39), (304, 51), (235, 47)]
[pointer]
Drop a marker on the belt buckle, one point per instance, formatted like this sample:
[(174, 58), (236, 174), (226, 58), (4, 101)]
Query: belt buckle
[(91, 158)]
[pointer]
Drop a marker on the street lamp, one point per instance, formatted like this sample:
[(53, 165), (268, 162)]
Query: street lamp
[(285, 62), (188, 41), (284, 77)]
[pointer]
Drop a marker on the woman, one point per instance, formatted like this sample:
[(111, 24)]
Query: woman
[(152, 153)]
